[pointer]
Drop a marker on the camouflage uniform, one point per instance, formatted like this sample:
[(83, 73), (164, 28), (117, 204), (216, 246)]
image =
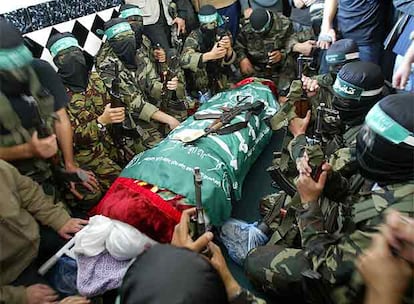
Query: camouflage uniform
[(333, 256), (131, 93), (148, 78), (204, 76), (280, 37), (94, 149)]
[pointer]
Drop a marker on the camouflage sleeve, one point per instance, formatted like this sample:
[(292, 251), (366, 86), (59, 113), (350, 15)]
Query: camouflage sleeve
[(180, 91), (297, 146), (246, 297), (291, 37), (147, 77), (83, 117), (240, 47), (311, 223), (191, 58)]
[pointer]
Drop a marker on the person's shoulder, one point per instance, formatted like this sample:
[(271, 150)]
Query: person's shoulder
[(42, 66)]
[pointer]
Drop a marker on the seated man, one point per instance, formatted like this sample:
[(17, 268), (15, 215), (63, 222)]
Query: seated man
[(206, 281), (207, 57), (90, 112), (120, 50), (33, 120), (23, 248), (325, 263), (264, 47)]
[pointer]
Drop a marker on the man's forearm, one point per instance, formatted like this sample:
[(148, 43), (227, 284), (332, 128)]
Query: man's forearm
[(17, 152), (329, 13), (64, 135)]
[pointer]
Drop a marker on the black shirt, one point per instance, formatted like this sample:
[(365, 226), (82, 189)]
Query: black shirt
[(51, 82)]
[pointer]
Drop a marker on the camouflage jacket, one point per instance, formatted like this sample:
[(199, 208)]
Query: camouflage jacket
[(149, 80), (325, 93), (253, 45), (200, 78), (334, 256), (131, 93)]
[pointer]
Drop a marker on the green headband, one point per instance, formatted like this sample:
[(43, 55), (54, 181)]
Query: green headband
[(350, 91), (211, 18), (15, 58), (117, 29), (63, 44), (378, 121), (134, 11), (339, 58)]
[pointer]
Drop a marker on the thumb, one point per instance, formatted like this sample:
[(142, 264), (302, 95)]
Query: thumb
[(202, 241), (108, 106), (322, 179), (307, 117), (35, 135), (379, 242)]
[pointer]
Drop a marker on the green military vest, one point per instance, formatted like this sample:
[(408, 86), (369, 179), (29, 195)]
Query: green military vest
[(38, 169)]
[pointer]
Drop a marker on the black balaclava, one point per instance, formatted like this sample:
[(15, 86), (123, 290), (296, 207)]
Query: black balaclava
[(133, 14), (340, 53), (261, 20), (70, 61), (16, 60), (208, 29), (165, 274), (357, 88), (123, 43), (380, 159)]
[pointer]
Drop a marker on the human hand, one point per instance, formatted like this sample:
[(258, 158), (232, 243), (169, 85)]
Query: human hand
[(401, 75), (180, 24), (385, 276), (172, 84), (159, 55), (298, 126), (112, 115), (75, 300), (246, 67), (225, 42), (181, 236), (219, 263), (308, 189), (247, 12), (72, 226), (173, 123), (217, 52), (400, 234), (275, 57), (43, 147), (311, 86), (305, 48), (326, 37), (90, 182), (40, 294)]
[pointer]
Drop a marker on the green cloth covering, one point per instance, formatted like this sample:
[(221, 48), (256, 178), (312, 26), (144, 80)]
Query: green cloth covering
[(224, 160)]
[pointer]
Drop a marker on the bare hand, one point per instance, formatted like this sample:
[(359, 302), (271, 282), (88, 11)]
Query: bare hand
[(159, 55), (386, 276), (246, 67), (298, 126), (180, 24), (72, 226), (112, 115), (275, 57), (182, 238), (91, 183), (311, 86), (322, 42), (219, 263), (75, 300), (305, 48), (247, 12), (40, 294), (173, 123), (225, 42), (308, 189), (43, 147), (401, 75), (172, 84), (401, 234), (217, 52)]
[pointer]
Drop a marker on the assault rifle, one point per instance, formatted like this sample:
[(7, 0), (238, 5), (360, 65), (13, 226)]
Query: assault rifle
[(59, 173), (199, 218), (177, 40), (119, 130)]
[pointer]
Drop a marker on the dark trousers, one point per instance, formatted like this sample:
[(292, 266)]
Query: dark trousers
[(159, 32)]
